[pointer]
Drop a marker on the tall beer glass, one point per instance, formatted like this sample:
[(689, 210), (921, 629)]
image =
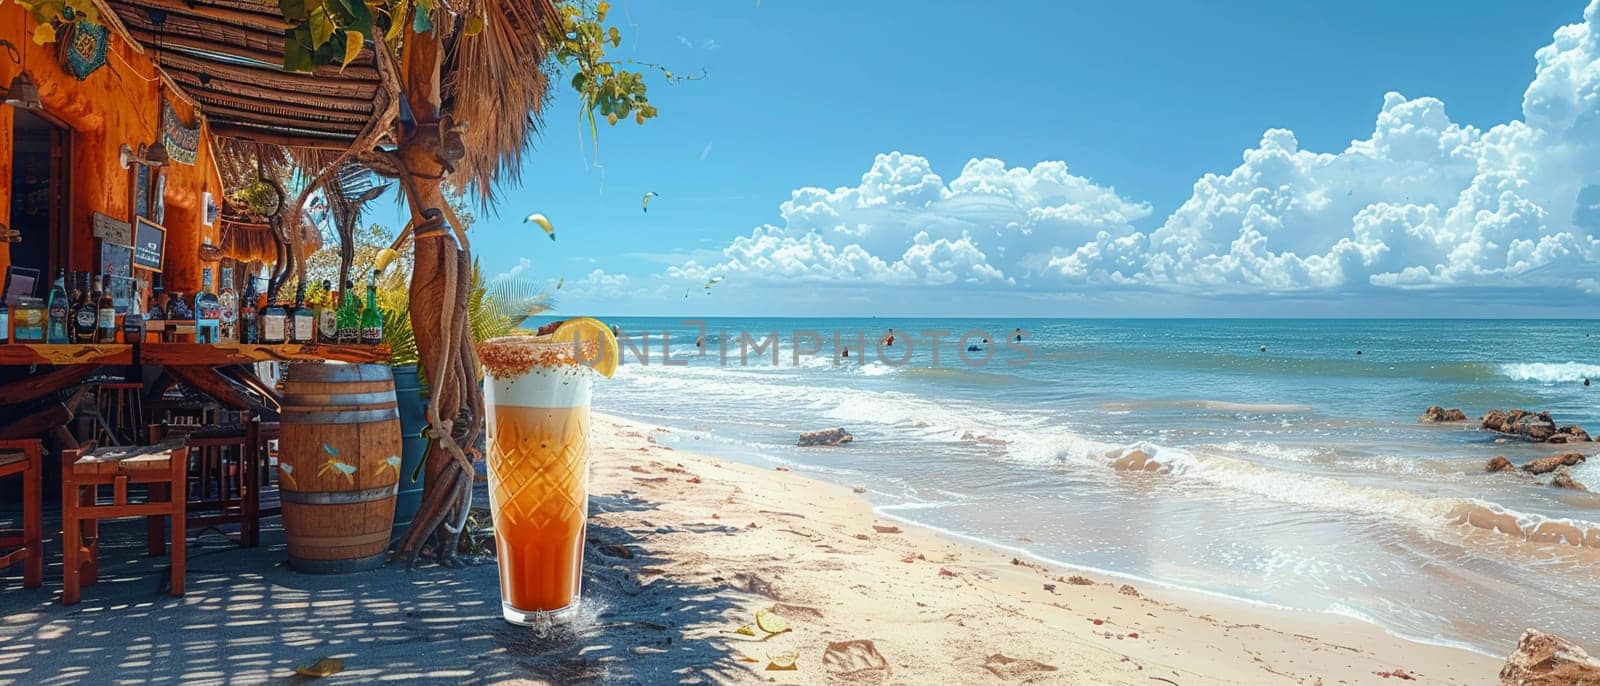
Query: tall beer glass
[(537, 398)]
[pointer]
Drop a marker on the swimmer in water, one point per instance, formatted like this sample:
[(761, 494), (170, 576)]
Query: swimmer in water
[(888, 339), (1263, 348), (700, 342), (846, 352), (1017, 334), (1586, 381)]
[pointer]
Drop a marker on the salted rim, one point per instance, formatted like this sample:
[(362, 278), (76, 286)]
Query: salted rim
[(512, 356)]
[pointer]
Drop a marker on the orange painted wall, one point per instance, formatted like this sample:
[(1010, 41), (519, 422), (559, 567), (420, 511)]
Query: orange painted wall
[(120, 103)]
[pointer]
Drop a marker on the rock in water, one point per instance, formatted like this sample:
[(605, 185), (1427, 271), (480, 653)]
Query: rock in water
[(1563, 479), (1545, 465), (1534, 426), (1498, 463), (858, 658), (1543, 659), (825, 437), (1439, 414)]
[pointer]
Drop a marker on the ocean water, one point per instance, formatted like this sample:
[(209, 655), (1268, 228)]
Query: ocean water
[(1177, 451)]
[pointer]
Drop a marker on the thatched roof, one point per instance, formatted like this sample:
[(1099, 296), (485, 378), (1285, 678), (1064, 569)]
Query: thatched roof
[(227, 57)]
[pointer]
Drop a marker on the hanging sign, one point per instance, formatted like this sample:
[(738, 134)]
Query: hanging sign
[(112, 230), (183, 142)]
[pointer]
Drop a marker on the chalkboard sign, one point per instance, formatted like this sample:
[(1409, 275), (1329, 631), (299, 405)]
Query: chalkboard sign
[(149, 245)]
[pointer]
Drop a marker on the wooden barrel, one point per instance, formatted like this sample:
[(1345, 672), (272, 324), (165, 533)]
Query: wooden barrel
[(338, 466)]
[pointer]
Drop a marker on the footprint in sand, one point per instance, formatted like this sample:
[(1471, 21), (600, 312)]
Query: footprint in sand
[(858, 659), (1015, 669)]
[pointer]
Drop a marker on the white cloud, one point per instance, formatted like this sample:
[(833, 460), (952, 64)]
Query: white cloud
[(703, 44), (1422, 202), (598, 284), (523, 269), (902, 224)]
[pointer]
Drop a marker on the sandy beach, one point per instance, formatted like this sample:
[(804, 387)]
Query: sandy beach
[(938, 610), (683, 551)]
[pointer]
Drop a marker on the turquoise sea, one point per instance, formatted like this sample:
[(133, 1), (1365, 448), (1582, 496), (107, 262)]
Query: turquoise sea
[(1296, 476)]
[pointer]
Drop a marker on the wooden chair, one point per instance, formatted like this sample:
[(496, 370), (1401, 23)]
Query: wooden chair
[(23, 457), (161, 468), (224, 479), (122, 411)]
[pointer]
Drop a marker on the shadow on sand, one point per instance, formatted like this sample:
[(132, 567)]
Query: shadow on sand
[(247, 618)]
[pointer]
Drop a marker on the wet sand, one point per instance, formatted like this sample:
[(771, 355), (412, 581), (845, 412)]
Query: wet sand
[(871, 600)]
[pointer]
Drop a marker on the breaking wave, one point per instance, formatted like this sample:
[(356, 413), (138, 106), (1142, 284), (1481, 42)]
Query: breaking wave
[(1550, 372)]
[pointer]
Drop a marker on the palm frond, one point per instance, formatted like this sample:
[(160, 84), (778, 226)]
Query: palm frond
[(394, 303)]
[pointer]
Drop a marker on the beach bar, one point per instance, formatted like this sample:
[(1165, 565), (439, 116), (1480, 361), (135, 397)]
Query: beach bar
[(153, 363)]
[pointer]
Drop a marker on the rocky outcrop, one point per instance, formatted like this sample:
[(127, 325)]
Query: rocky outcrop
[(1545, 465), (825, 437), (1563, 479), (1569, 434), (1439, 414), (1499, 463), (1534, 426), (1542, 659)]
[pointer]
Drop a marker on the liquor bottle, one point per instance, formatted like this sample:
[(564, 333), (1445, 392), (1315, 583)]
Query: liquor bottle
[(207, 310), (349, 316), (105, 330), (371, 319), (133, 322), (5, 311), (248, 331), (177, 309), (304, 318), (83, 312), (327, 315), (156, 320), (274, 320), (57, 306), (228, 314)]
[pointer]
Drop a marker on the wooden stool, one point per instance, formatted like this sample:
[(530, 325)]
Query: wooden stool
[(161, 468), (225, 477), (122, 409), (23, 457)]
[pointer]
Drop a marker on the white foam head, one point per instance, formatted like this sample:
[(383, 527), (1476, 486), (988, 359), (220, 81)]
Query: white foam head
[(564, 385)]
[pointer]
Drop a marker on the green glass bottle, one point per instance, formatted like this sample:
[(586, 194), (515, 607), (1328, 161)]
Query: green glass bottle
[(371, 319), (349, 316)]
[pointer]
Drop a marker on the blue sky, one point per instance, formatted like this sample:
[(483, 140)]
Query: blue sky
[(1095, 125)]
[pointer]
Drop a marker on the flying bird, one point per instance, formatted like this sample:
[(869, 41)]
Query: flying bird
[(543, 223), (645, 203), (712, 282), (560, 281)]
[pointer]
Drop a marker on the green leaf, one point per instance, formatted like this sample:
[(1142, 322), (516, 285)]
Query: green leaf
[(322, 27), (293, 10), (297, 50)]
